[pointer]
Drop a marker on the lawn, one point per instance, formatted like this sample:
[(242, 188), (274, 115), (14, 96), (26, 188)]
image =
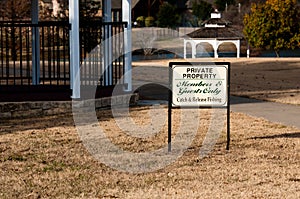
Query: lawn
[(46, 158)]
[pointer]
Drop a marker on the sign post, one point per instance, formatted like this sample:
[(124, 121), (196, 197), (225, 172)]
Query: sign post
[(196, 85)]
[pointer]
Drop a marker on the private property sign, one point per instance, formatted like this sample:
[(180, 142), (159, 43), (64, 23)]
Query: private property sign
[(199, 84), (196, 85)]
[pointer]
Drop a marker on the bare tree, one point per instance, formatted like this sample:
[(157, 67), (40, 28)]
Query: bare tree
[(15, 9)]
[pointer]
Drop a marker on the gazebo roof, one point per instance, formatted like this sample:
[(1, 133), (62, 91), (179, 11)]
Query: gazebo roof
[(216, 28), (218, 21), (216, 33)]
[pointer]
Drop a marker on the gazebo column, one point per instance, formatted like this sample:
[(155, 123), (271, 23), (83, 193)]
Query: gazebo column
[(248, 50), (74, 48), (184, 49), (216, 53), (216, 46), (238, 49), (194, 49), (126, 17)]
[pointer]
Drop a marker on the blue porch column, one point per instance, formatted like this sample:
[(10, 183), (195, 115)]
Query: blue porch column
[(107, 17), (74, 48), (126, 17)]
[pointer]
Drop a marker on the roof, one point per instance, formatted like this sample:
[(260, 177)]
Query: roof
[(218, 21), (216, 28), (218, 33)]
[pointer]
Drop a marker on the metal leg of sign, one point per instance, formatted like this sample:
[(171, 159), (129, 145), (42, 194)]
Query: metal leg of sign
[(228, 109), (170, 121), (170, 130), (228, 125)]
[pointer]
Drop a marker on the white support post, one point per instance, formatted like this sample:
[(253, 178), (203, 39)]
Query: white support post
[(248, 50), (238, 47), (74, 48), (216, 45), (216, 53), (126, 16), (184, 49), (194, 49), (107, 17)]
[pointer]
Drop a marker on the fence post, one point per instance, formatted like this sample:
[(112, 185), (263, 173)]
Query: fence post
[(35, 43)]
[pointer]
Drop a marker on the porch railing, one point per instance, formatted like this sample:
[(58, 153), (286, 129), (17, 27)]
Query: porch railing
[(20, 64), (17, 65), (102, 52)]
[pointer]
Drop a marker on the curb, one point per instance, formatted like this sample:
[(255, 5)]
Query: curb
[(31, 109)]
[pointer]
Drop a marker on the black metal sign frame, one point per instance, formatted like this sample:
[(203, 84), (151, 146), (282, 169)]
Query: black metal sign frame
[(170, 96)]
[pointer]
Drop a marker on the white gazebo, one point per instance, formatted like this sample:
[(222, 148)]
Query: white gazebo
[(75, 44), (215, 32)]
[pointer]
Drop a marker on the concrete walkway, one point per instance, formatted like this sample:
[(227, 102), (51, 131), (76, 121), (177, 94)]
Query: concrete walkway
[(285, 114), (150, 81)]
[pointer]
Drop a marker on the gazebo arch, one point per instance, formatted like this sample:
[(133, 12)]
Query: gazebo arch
[(188, 48), (235, 43), (204, 46)]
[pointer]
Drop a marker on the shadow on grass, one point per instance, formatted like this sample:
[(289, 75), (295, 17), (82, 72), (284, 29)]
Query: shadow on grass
[(153, 91), (284, 135), (43, 122), (8, 126)]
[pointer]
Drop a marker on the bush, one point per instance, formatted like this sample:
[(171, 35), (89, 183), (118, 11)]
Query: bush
[(141, 21), (167, 16), (273, 25), (149, 21)]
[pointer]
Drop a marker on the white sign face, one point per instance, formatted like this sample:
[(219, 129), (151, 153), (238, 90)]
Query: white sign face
[(199, 85)]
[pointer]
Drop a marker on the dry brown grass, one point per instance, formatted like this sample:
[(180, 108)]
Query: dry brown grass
[(44, 157), (271, 79), (48, 160)]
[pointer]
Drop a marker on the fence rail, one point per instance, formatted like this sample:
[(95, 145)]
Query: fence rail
[(102, 52), (19, 58), (30, 52)]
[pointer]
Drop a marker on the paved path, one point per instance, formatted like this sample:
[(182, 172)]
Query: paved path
[(151, 80), (285, 114), (275, 112)]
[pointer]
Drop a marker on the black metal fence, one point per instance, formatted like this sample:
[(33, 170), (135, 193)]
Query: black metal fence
[(54, 53), (30, 52), (39, 53)]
